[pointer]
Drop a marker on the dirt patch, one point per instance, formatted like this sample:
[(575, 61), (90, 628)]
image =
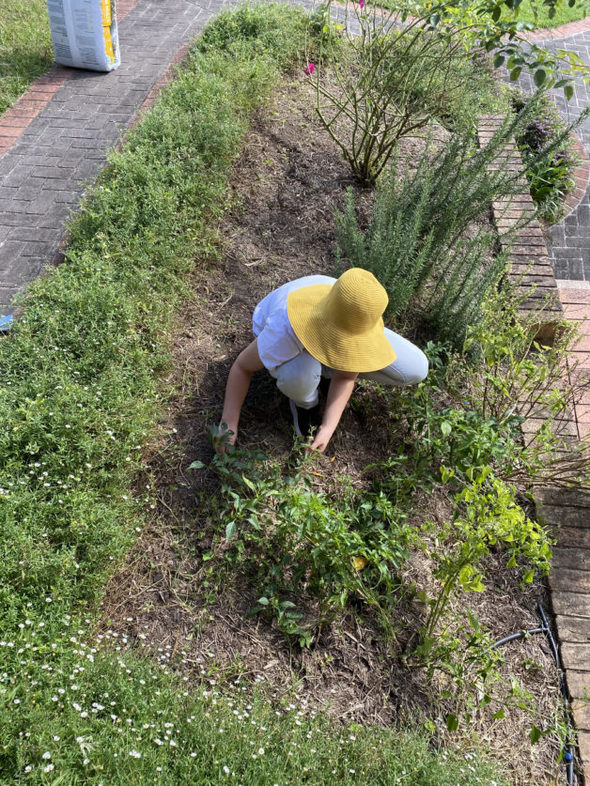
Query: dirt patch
[(286, 185)]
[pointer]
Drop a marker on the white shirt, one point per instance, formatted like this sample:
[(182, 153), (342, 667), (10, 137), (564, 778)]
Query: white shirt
[(276, 339)]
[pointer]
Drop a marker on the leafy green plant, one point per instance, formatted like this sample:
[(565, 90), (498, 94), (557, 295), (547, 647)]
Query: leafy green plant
[(296, 540), (420, 242), (546, 146), (512, 375), (327, 36), (486, 516), (497, 26)]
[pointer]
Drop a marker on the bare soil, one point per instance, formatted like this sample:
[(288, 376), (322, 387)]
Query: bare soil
[(285, 187)]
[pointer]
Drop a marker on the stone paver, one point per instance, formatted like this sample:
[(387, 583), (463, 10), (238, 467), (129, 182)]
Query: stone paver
[(575, 301), (60, 132)]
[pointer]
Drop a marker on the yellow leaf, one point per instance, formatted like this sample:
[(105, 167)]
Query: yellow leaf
[(359, 563)]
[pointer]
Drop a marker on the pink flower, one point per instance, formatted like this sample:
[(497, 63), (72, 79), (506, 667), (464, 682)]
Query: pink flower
[(361, 4), (309, 69)]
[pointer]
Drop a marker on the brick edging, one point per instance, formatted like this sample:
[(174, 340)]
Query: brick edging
[(569, 580), (26, 108), (530, 271), (563, 31), (581, 177)]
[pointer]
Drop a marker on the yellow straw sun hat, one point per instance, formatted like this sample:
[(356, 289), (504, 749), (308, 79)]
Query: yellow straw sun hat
[(341, 325)]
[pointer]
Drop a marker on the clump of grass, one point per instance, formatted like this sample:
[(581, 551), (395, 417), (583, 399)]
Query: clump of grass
[(25, 47), (538, 14)]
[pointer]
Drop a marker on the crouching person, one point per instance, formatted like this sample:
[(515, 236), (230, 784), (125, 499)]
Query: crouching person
[(320, 326)]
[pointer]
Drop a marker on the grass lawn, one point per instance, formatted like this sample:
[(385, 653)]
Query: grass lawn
[(563, 13), (25, 47)]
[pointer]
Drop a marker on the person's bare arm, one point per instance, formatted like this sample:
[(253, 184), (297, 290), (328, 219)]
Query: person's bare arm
[(339, 393), (238, 382)]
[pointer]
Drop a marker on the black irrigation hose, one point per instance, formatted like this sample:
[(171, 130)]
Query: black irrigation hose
[(568, 755)]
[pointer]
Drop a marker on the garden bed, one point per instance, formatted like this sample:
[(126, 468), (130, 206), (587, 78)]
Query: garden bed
[(177, 658), (177, 599)]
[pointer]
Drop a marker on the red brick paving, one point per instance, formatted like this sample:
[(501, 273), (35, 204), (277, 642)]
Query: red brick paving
[(570, 28), (575, 300)]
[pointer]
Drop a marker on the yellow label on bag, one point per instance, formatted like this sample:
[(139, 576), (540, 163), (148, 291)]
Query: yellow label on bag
[(108, 43), (105, 7)]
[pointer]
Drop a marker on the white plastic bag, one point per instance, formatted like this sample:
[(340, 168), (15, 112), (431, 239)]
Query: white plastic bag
[(84, 33)]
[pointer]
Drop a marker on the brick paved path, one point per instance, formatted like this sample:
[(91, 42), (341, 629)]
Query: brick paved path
[(570, 239), (45, 168)]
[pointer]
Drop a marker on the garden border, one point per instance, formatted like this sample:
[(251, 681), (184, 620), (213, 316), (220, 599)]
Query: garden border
[(581, 177), (565, 511), (528, 252)]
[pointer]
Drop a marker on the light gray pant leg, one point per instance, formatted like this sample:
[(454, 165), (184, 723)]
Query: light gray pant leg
[(409, 367), (298, 379)]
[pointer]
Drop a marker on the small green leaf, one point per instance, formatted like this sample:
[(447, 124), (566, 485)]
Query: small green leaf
[(539, 77), (230, 530), (569, 92), (452, 722), (535, 734), (196, 465), (263, 601), (515, 73), (498, 715), (498, 61)]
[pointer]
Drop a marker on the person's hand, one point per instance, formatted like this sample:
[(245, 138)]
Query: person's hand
[(223, 438), (320, 441)]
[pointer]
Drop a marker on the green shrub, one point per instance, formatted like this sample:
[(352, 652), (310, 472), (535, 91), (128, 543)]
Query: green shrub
[(390, 82), (546, 146), (487, 516), (273, 32), (417, 241), (295, 541)]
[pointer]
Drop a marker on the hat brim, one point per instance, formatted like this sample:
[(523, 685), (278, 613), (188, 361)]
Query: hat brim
[(334, 347)]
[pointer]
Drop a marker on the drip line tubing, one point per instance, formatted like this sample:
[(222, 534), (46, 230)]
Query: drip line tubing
[(568, 754)]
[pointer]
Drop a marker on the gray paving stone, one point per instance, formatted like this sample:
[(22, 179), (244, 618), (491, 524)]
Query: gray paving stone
[(19, 176)]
